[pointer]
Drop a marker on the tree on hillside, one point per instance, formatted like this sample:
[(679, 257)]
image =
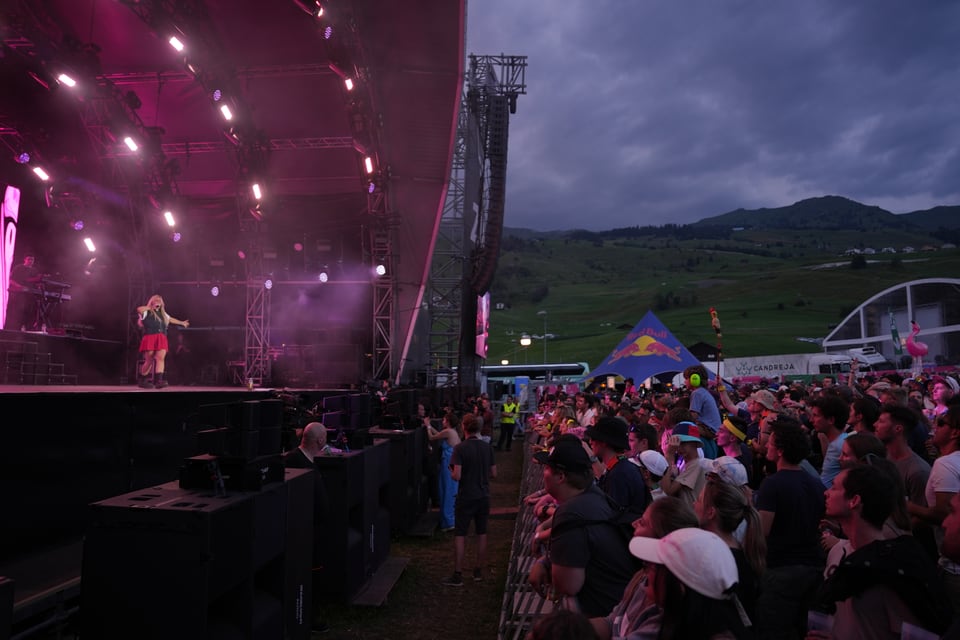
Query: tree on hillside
[(858, 262)]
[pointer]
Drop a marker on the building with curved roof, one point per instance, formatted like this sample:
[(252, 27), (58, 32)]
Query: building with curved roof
[(934, 303)]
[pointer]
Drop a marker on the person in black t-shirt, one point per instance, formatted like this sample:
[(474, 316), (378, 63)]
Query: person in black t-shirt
[(472, 466), (23, 304)]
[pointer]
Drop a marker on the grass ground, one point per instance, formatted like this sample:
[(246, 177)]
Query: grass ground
[(768, 294), (419, 606)]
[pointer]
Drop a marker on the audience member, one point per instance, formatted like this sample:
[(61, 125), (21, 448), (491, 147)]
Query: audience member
[(724, 510), (829, 414), (692, 580), (562, 624), (313, 442), (473, 468), (682, 450), (790, 503), (633, 616), (883, 582), (863, 414), (449, 438), (652, 466), (620, 479), (704, 408), (588, 563), (732, 441)]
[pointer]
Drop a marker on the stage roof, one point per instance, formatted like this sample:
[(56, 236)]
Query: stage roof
[(304, 136)]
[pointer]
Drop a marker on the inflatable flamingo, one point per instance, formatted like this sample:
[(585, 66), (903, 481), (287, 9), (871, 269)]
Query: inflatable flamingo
[(916, 349)]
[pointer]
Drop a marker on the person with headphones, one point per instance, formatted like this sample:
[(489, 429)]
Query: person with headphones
[(704, 408)]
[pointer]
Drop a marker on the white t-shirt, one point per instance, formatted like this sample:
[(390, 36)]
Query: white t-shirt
[(944, 478)]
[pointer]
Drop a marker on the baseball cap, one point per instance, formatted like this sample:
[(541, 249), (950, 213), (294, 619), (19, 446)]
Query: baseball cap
[(950, 382), (728, 469), (765, 398), (567, 454), (611, 430), (698, 558), (652, 461), (687, 432)]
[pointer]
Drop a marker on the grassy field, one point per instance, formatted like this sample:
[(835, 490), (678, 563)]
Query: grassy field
[(768, 293)]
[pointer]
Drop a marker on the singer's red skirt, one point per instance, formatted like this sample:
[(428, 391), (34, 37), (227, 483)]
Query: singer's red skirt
[(154, 342)]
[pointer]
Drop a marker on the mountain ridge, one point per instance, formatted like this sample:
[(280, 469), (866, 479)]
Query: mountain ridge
[(827, 213)]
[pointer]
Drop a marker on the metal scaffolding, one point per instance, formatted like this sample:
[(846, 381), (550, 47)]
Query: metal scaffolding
[(381, 249), (256, 366), (462, 265)]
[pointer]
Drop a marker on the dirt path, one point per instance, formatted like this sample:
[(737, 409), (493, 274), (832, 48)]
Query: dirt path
[(419, 606)]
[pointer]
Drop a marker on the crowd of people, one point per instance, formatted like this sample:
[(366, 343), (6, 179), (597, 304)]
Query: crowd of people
[(825, 509)]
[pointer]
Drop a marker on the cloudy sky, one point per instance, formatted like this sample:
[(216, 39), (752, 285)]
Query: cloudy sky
[(653, 111)]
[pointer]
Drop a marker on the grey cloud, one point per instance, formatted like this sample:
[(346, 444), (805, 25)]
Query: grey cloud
[(646, 112)]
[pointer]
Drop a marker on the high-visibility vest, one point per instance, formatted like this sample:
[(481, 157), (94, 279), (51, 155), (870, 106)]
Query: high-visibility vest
[(511, 408)]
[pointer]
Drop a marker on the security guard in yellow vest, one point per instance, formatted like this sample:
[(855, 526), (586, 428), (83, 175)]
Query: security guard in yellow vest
[(508, 422)]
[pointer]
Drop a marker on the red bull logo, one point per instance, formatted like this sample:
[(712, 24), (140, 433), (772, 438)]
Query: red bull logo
[(647, 346)]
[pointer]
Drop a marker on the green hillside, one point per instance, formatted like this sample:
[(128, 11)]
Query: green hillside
[(772, 287)]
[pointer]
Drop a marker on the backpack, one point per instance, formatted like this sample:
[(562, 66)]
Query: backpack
[(622, 520)]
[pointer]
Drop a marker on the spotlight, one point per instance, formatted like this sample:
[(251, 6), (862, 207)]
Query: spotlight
[(241, 254), (227, 114), (77, 225), (371, 187), (176, 236), (89, 244), (43, 175), (131, 143), (215, 291), (23, 158), (256, 191), (298, 246), (168, 216), (380, 270), (327, 32), (217, 94), (268, 284), (67, 80), (175, 43), (504, 362), (348, 83), (368, 164), (323, 277)]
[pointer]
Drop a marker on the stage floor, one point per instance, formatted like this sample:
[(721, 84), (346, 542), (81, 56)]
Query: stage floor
[(132, 388)]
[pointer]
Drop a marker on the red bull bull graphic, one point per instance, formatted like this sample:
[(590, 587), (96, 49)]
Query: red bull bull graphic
[(647, 346)]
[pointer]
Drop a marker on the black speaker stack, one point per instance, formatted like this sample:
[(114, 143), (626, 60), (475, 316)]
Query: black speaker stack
[(170, 562), (357, 536), (407, 489), (240, 448)]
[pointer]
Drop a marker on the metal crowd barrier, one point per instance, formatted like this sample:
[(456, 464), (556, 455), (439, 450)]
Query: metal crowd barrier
[(522, 606)]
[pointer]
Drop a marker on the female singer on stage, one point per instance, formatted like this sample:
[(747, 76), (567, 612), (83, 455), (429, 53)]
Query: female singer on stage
[(153, 317)]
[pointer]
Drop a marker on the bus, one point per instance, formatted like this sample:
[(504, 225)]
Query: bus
[(498, 380)]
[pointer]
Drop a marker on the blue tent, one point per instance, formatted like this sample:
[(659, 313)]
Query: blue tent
[(648, 350)]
